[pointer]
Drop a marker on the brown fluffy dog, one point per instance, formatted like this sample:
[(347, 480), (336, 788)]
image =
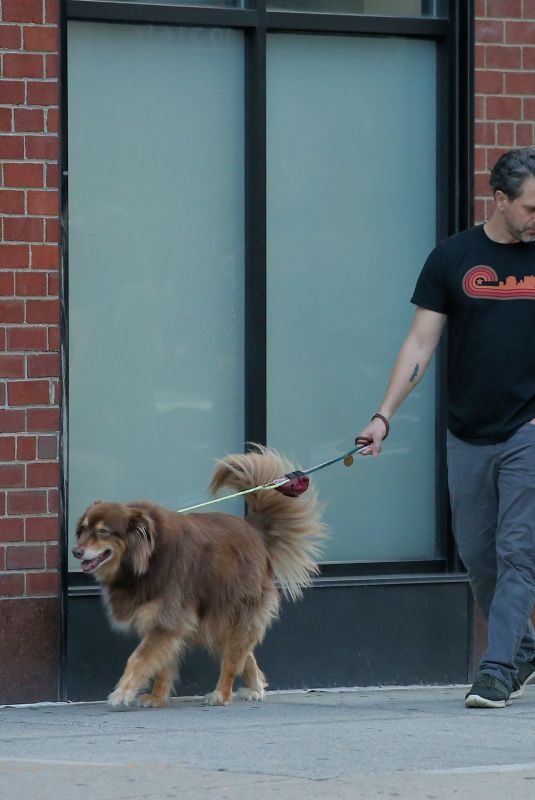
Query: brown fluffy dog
[(180, 580)]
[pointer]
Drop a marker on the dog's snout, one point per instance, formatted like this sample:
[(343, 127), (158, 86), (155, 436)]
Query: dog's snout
[(77, 552)]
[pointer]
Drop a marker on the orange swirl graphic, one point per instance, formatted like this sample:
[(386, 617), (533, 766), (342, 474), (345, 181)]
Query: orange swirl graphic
[(482, 282)]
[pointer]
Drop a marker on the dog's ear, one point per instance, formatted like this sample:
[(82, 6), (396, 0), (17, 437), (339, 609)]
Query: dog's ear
[(141, 540)]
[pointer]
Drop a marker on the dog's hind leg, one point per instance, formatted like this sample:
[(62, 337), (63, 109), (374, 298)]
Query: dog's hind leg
[(154, 653), (254, 679), (232, 664)]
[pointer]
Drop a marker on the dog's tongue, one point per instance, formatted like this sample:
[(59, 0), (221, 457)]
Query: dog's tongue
[(87, 566)]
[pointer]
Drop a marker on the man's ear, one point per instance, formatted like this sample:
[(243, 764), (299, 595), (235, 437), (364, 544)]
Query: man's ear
[(140, 540)]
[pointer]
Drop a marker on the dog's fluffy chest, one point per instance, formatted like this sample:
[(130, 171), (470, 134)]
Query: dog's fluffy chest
[(126, 615)]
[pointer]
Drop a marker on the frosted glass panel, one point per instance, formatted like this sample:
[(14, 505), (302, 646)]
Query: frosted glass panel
[(388, 8), (155, 261), (351, 217)]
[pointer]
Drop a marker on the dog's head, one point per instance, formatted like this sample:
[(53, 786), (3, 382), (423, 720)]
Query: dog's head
[(113, 538)]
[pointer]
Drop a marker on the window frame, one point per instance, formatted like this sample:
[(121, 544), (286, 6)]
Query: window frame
[(455, 58)]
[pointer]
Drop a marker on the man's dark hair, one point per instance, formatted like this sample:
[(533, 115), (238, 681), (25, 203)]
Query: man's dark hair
[(511, 170)]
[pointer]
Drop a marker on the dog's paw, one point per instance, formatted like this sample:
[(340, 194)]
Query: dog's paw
[(250, 694), (216, 698), (152, 701), (121, 697)]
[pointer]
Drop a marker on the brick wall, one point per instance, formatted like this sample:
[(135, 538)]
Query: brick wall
[(29, 345), (504, 86)]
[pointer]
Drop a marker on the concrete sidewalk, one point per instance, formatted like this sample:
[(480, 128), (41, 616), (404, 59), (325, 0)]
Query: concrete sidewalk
[(417, 743)]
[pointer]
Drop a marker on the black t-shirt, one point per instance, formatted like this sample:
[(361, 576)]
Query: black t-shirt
[(487, 290)]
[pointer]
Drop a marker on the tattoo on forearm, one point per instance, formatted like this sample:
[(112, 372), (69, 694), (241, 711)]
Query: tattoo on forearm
[(414, 373)]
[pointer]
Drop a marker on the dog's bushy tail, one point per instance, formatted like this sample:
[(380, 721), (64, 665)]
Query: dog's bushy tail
[(291, 526)]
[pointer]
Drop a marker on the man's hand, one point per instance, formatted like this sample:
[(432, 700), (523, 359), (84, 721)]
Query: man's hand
[(372, 436)]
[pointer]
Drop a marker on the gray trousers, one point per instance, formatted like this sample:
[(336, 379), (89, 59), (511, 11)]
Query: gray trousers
[(492, 494)]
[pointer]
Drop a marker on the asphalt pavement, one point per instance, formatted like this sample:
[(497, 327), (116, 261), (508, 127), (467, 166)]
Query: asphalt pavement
[(417, 743)]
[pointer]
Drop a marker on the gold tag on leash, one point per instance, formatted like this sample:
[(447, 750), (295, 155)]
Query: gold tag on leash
[(348, 459)]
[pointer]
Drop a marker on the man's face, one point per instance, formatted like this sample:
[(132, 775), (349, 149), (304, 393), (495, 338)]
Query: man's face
[(519, 214)]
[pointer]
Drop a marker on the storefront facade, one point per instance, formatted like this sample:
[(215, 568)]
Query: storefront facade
[(247, 196)]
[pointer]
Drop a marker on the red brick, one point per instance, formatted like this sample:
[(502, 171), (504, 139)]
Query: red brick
[(11, 477), (520, 83), (479, 107), (28, 393), (43, 203), (51, 11), (529, 9), (54, 339), (52, 126), (25, 557), (47, 447), (12, 421), (10, 37), (6, 120), (2, 503), (53, 501), (22, 11), (52, 230), (11, 585), (27, 502), (524, 134), (503, 57), (528, 57), (11, 311), (520, 33), (11, 202), (11, 529), (11, 366), (43, 584), (3, 393), (53, 284), (41, 39), (528, 108), (14, 256), (43, 420), (45, 148), (7, 449), (51, 66), (26, 448), (26, 339), (30, 284), (489, 82), (29, 119), (504, 8), (493, 154), (43, 93), (23, 229), (12, 93), (505, 134), (481, 184), (52, 176), (12, 148), (44, 365), (43, 474), (485, 133), (42, 311), (52, 555), (487, 31), (23, 65), (45, 256), (479, 56), (7, 284), (506, 108), (23, 175), (42, 529)]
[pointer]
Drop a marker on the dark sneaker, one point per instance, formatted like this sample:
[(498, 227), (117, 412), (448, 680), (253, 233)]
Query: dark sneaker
[(525, 673), (487, 692)]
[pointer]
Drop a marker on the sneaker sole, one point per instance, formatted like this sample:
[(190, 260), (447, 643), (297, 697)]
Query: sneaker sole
[(520, 692), (476, 701)]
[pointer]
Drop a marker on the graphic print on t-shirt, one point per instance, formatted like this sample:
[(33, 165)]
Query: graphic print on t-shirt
[(482, 282)]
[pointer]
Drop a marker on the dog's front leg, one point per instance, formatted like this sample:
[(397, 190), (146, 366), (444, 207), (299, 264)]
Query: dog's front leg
[(155, 652)]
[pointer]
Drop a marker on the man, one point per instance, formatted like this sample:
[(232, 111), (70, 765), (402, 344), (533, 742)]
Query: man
[(482, 284)]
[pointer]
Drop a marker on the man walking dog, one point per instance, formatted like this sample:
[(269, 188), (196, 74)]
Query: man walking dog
[(481, 283)]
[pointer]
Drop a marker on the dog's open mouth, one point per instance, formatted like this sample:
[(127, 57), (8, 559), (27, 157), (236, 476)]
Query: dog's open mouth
[(88, 565)]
